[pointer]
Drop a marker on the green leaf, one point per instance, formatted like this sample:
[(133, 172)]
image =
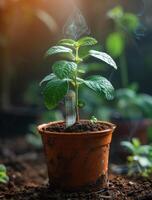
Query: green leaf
[(67, 42), (104, 57), (4, 179), (144, 149), (54, 91), (136, 142), (81, 71), (128, 145), (116, 13), (130, 21), (3, 175), (64, 69), (47, 78), (2, 168), (100, 85), (144, 161), (115, 44), (58, 49), (86, 41), (126, 94)]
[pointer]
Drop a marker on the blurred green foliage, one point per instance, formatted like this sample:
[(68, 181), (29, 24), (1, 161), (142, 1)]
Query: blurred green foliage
[(125, 23), (131, 105), (3, 174), (140, 158), (127, 104), (123, 19), (115, 44)]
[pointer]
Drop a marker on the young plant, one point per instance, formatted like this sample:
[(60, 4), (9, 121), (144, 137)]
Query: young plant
[(67, 73), (3, 174), (93, 119), (140, 158)]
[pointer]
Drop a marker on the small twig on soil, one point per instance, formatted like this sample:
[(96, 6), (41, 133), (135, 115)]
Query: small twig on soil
[(105, 197)]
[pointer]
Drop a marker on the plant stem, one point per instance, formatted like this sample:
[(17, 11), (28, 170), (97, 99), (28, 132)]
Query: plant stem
[(123, 71), (77, 103), (77, 88)]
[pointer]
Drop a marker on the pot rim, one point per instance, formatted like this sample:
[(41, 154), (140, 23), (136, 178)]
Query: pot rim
[(85, 133)]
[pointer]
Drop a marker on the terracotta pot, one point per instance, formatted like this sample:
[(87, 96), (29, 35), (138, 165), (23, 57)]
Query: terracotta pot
[(76, 160)]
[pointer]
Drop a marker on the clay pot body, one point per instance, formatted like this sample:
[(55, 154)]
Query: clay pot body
[(76, 160)]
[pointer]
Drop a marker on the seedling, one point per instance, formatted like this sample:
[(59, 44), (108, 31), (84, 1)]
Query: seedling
[(3, 174), (140, 158), (93, 119), (67, 73)]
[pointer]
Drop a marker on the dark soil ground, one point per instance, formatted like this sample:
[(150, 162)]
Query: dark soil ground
[(28, 178)]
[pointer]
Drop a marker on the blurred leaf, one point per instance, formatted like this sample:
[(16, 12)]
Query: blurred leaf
[(124, 19), (3, 174), (125, 93), (81, 71), (144, 162), (144, 101), (116, 13), (2, 168), (136, 142), (140, 158), (130, 21), (134, 86), (115, 44), (149, 132), (128, 145), (145, 149)]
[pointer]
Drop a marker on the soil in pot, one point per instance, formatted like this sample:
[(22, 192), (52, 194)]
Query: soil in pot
[(77, 157), (81, 126)]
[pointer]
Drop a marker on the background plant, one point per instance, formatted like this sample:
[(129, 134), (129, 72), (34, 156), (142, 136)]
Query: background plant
[(140, 158), (129, 104), (68, 73), (3, 174), (125, 24)]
